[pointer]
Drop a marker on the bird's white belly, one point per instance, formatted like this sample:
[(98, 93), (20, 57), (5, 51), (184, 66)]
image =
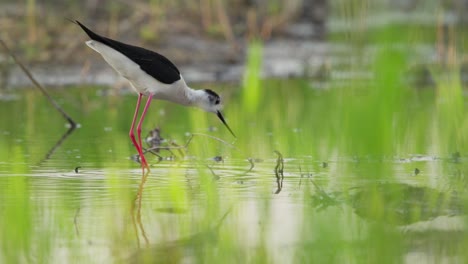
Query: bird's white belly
[(140, 80)]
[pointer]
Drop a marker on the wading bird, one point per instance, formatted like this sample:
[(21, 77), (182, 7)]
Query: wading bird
[(153, 75)]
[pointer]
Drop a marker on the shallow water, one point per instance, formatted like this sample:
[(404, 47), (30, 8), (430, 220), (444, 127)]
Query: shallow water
[(77, 201)]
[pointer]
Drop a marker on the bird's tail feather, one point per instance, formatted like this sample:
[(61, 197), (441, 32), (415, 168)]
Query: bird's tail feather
[(88, 31)]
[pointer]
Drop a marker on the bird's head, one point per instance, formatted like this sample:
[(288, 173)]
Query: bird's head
[(210, 101)]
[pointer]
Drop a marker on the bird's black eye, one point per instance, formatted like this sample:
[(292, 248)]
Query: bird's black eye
[(215, 100)]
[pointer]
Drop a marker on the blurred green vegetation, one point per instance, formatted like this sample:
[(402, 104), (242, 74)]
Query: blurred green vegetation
[(365, 159)]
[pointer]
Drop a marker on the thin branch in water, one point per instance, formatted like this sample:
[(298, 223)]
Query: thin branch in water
[(252, 165), (154, 150), (155, 144), (57, 145), (216, 177), (36, 83), (160, 158), (185, 146), (181, 152)]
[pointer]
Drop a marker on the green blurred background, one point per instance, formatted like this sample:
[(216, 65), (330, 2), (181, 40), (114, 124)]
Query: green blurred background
[(350, 121)]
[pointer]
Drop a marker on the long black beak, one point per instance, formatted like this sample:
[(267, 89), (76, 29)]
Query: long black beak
[(224, 122)]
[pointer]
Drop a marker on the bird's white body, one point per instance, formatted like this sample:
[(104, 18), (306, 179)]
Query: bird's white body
[(177, 92)]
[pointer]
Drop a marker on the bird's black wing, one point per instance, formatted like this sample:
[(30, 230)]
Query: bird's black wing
[(153, 63)]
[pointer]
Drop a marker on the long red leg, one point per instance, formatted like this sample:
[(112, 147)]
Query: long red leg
[(148, 102), (132, 135)]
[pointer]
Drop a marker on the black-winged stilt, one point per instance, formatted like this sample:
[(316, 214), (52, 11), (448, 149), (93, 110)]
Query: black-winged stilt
[(153, 75)]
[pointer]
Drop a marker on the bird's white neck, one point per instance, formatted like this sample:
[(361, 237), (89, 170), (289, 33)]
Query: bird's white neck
[(194, 97), (180, 93)]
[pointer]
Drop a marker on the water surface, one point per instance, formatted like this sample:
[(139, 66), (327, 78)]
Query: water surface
[(368, 175)]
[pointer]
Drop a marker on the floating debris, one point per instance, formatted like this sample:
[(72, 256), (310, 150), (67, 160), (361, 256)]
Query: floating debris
[(416, 171), (218, 158), (77, 168), (154, 139)]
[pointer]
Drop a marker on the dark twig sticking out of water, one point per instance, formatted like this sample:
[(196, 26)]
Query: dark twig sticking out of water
[(39, 86), (252, 165), (279, 171)]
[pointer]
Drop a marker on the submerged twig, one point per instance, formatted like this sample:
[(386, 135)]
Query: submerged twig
[(75, 221), (39, 86), (279, 171)]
